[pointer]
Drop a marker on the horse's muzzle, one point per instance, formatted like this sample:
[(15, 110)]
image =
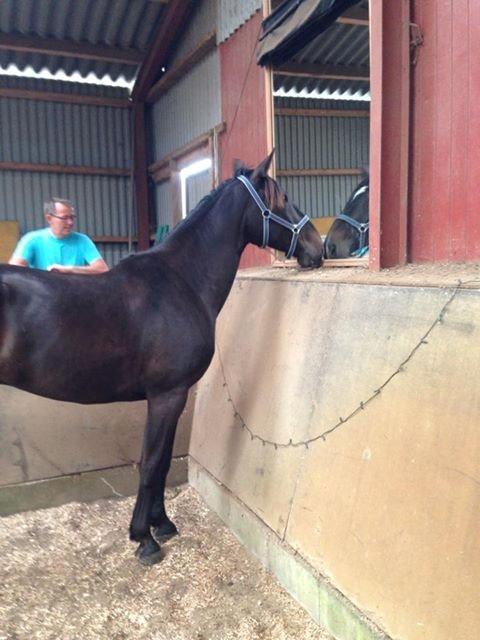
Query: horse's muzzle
[(307, 261)]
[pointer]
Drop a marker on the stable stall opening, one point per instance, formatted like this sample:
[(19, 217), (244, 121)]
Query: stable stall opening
[(321, 100)]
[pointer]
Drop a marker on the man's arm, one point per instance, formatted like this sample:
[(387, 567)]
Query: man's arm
[(19, 262), (97, 266), (24, 253)]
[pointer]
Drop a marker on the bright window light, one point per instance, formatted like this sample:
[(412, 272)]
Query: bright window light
[(192, 170), (45, 74), (323, 95)]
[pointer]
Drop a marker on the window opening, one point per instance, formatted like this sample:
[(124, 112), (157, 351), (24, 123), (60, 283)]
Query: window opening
[(194, 169), (321, 97)]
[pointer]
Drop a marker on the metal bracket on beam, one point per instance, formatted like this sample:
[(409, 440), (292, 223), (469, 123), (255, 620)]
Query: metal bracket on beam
[(416, 40)]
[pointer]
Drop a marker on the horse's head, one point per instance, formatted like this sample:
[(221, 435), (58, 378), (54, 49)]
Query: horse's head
[(349, 232), (272, 220)]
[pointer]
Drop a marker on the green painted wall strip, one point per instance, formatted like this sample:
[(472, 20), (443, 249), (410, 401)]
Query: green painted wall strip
[(325, 604)]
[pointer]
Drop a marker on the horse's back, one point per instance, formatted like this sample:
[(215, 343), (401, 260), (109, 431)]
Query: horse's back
[(100, 338)]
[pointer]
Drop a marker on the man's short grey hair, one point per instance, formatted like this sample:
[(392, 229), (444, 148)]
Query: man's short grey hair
[(49, 205)]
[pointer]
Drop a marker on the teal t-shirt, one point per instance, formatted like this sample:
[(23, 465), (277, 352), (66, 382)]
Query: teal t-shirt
[(42, 249)]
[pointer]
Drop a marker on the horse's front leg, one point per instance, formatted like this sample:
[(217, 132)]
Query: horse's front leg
[(164, 409)]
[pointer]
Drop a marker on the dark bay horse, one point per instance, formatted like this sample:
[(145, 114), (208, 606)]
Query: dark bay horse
[(348, 234), (145, 329)]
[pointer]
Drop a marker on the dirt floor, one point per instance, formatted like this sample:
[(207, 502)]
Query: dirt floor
[(69, 573)]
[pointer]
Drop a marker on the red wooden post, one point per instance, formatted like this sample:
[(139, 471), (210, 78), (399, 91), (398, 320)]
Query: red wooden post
[(140, 176), (389, 131), (245, 111)]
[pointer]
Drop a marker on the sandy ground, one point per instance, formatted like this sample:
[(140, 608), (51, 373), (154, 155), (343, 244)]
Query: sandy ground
[(69, 573)]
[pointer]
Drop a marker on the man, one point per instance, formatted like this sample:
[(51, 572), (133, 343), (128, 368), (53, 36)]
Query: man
[(58, 247)]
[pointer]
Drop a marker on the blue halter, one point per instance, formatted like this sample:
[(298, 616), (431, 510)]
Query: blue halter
[(268, 215), (361, 227)]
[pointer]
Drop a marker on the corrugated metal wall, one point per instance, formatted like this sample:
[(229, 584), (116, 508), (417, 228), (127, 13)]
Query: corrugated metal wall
[(231, 16), (67, 134), (190, 108), (202, 23), (197, 187), (193, 105), (320, 142), (41, 132), (162, 199)]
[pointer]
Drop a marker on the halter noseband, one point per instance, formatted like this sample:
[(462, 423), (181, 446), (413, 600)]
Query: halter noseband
[(268, 215), (361, 227)]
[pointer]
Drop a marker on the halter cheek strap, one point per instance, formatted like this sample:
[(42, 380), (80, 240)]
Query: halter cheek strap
[(361, 227), (268, 215)]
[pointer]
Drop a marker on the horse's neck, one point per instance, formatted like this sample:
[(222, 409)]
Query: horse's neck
[(206, 254)]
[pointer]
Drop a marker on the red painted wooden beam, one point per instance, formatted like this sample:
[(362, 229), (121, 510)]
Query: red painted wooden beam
[(140, 176), (389, 131)]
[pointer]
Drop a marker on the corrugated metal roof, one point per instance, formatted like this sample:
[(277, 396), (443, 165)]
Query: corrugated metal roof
[(57, 86), (343, 46), (313, 85), (125, 24)]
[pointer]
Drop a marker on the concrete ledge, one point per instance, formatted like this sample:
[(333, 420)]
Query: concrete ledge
[(82, 487), (323, 602)]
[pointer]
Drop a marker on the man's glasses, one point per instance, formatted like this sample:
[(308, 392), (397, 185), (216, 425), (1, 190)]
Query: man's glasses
[(65, 218)]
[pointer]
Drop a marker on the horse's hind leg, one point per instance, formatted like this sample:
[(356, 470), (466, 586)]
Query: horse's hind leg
[(164, 410)]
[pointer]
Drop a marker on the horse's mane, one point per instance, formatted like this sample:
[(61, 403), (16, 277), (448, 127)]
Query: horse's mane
[(365, 182), (273, 196)]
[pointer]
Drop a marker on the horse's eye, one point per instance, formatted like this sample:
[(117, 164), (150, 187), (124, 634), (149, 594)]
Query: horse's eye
[(286, 198)]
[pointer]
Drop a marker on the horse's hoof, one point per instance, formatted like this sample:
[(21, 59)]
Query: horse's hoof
[(150, 560), (149, 553), (165, 531)]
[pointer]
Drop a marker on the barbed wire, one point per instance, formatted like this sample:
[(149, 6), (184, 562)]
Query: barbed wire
[(362, 405)]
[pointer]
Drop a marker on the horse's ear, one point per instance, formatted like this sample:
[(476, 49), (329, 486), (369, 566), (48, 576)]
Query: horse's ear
[(262, 169), (239, 167)]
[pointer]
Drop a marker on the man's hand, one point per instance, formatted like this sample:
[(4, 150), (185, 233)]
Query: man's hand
[(97, 266), (60, 268)]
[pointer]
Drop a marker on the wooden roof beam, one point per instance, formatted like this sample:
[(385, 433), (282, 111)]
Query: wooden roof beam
[(323, 72), (174, 18), (355, 16), (200, 51), (69, 49), (67, 98)]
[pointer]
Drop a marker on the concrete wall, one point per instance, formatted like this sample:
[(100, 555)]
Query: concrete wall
[(387, 506), (42, 440)]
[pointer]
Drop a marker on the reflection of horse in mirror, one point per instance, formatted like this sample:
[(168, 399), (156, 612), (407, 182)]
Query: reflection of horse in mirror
[(146, 328), (348, 234)]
